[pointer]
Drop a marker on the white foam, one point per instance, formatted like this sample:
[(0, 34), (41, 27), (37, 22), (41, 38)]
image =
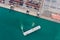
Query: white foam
[(33, 24)]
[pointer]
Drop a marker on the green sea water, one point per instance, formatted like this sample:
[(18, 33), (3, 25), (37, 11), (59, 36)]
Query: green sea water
[(11, 22)]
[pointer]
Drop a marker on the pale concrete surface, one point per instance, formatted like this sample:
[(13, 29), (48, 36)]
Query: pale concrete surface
[(32, 12)]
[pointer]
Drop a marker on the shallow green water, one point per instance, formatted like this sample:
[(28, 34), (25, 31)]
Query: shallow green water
[(11, 22)]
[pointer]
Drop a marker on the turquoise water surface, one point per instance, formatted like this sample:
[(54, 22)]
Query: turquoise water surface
[(11, 22)]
